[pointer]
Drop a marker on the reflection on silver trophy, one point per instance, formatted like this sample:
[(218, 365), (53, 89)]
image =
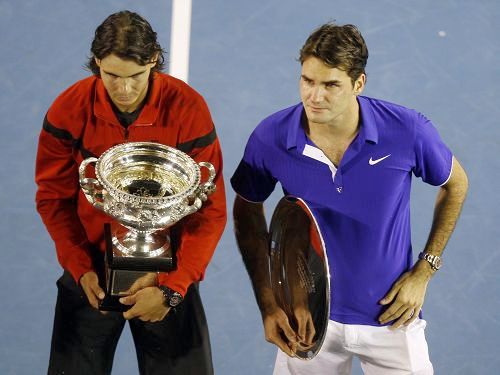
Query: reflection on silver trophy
[(299, 273), (146, 187)]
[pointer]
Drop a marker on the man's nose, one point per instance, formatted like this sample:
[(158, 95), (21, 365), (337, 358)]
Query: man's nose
[(124, 85), (317, 94)]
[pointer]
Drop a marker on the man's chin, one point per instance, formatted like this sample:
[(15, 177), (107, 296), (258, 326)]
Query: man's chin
[(317, 119), (124, 104)]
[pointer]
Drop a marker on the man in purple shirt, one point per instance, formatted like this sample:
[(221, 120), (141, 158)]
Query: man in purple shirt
[(351, 159)]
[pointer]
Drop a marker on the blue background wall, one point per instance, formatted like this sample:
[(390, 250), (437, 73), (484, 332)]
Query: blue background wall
[(440, 57)]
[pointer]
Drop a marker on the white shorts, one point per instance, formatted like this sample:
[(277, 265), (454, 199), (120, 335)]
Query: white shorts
[(381, 351)]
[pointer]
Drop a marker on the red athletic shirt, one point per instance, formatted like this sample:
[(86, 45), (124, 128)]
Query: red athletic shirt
[(81, 123)]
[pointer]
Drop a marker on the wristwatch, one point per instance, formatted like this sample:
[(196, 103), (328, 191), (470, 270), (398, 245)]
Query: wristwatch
[(172, 298), (434, 260)]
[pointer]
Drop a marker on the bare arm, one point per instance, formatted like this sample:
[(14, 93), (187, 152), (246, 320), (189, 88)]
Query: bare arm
[(449, 204), (252, 238), (408, 293)]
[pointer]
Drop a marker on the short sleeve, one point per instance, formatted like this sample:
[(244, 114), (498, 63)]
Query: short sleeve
[(433, 159), (253, 180)]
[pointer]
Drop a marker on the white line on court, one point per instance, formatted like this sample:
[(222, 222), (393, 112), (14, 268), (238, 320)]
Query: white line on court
[(179, 39)]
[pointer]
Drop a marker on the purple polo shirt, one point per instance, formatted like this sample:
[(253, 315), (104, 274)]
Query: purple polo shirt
[(362, 206)]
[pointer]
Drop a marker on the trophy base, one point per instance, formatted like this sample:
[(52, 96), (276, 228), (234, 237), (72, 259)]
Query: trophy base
[(123, 271)]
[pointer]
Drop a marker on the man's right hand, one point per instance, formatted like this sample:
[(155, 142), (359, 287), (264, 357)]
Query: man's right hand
[(306, 330), (276, 328), (90, 285)]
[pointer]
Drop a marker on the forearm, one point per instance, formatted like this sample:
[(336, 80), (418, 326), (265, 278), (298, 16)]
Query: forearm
[(446, 213), (198, 237), (253, 241), (57, 179), (199, 233), (448, 206), (447, 210)]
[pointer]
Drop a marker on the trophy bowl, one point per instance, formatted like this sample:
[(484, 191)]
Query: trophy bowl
[(146, 187)]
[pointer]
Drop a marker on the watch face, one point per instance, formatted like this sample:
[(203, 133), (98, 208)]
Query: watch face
[(175, 299), (172, 298)]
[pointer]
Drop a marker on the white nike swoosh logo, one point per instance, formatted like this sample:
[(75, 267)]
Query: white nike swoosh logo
[(373, 162)]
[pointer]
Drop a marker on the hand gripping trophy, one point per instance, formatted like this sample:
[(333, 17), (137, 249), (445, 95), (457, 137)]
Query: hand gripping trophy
[(146, 188)]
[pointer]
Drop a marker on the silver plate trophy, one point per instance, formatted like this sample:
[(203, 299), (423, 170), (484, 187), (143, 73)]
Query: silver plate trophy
[(299, 274), (146, 188)]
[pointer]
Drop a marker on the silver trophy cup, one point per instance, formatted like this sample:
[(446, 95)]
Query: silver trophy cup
[(146, 188)]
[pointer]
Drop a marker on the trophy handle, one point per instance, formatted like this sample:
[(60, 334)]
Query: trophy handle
[(202, 192), (207, 187), (91, 187)]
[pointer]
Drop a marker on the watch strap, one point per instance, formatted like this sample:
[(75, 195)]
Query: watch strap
[(172, 298), (433, 260)]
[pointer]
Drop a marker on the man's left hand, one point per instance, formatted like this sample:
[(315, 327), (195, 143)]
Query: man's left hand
[(406, 297), (147, 305)]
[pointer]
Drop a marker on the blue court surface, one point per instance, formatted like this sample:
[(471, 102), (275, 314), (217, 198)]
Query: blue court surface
[(440, 57)]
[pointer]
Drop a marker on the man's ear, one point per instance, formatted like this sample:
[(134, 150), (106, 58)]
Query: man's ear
[(359, 84), (97, 61), (154, 59)]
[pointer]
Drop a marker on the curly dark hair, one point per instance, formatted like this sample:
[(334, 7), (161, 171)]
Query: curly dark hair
[(341, 47), (129, 36)]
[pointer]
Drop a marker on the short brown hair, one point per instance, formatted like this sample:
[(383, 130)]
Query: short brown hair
[(341, 47), (129, 36)]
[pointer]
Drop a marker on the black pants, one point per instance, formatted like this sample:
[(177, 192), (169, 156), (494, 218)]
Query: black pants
[(84, 340)]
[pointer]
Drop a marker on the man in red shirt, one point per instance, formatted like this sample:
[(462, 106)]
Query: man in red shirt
[(126, 99)]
